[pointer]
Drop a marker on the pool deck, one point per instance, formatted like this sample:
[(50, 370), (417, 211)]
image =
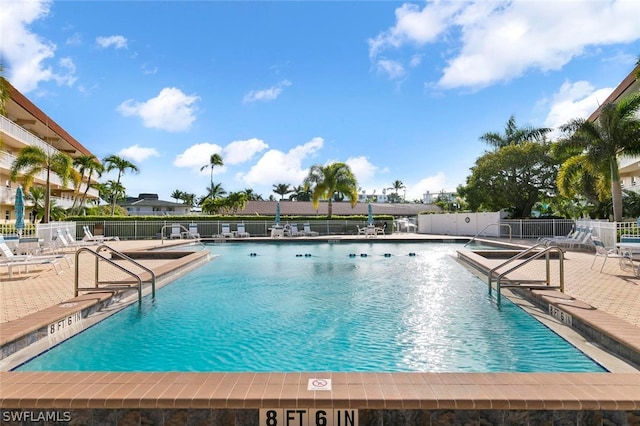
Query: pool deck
[(609, 302)]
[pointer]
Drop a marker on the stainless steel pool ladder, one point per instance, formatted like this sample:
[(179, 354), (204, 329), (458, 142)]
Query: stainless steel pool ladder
[(499, 225), (111, 286), (534, 253)]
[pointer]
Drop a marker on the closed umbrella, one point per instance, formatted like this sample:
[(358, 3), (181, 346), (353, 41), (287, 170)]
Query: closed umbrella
[(278, 213), (19, 210), (370, 218)]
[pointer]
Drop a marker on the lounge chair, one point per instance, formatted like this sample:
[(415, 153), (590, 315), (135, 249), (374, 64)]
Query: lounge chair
[(362, 231), (28, 245), (308, 232), (241, 233), (64, 240), (88, 236), (10, 260), (176, 231), (602, 251), (293, 231), (226, 231), (192, 232)]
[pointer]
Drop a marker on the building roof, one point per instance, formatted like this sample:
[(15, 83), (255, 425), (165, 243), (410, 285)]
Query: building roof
[(624, 88), (341, 208)]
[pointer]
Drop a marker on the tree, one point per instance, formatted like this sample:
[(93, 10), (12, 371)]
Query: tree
[(251, 195), (213, 192), (177, 195), (512, 178), (214, 160), (236, 201), (4, 92), (35, 195), (301, 193), (325, 181), (282, 189), (615, 132), (87, 165), (114, 162), (112, 191), (33, 160), (514, 135)]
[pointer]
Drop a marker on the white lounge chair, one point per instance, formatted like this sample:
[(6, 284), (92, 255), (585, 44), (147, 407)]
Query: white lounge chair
[(308, 232), (226, 231), (88, 236), (176, 231), (293, 231), (241, 232), (64, 240), (10, 260), (192, 232)]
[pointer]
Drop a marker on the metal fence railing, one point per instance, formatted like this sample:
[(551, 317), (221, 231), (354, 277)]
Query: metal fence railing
[(152, 229), (536, 228)]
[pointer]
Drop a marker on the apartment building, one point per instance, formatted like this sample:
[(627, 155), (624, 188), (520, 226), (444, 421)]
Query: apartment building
[(629, 166), (25, 124)]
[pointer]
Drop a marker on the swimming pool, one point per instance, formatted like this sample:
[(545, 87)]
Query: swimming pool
[(321, 307)]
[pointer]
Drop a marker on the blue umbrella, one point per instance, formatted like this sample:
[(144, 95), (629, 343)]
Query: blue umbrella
[(278, 213), (19, 209), (370, 218)]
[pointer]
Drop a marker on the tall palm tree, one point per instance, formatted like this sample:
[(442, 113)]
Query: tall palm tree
[(282, 189), (615, 132), (514, 135), (214, 160), (87, 165), (114, 162), (177, 195), (33, 160), (327, 180)]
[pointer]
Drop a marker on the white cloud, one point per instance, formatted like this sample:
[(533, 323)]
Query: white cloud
[(431, 184), (238, 152), (573, 100), (362, 168), (266, 95), (171, 110), (282, 167), (198, 155), (117, 41), (138, 153), (501, 40), (24, 53), (393, 69)]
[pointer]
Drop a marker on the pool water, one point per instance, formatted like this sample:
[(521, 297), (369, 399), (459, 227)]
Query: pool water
[(385, 307)]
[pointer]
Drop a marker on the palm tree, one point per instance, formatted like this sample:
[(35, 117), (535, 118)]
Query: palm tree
[(177, 195), (33, 160), (615, 132), (4, 92), (213, 192), (35, 195), (87, 165), (214, 160), (514, 135), (328, 180), (236, 201), (251, 195), (114, 162), (282, 189)]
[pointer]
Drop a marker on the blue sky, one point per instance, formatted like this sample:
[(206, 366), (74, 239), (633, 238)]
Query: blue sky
[(399, 91)]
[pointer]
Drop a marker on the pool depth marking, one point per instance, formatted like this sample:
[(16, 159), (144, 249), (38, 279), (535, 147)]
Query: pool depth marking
[(308, 416)]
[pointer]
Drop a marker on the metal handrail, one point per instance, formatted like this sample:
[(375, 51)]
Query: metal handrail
[(99, 257), (483, 229), (544, 252)]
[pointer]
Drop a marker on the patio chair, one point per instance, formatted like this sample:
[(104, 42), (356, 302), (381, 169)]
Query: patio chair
[(294, 232), (308, 232), (602, 251), (192, 232), (241, 233), (64, 240), (226, 231), (176, 231), (88, 236), (362, 231), (10, 260)]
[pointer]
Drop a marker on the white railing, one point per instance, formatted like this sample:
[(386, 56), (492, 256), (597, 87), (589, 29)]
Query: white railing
[(16, 132)]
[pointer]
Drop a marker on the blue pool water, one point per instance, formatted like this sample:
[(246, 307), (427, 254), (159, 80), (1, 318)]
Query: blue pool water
[(321, 307)]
